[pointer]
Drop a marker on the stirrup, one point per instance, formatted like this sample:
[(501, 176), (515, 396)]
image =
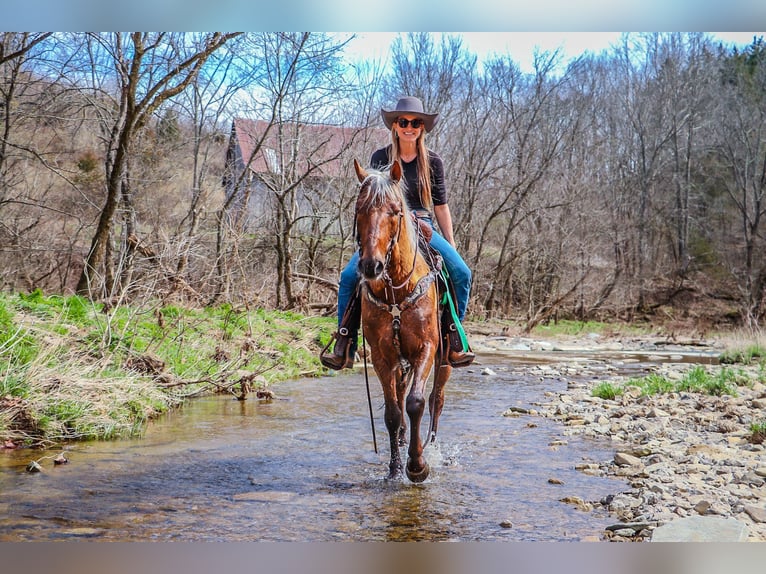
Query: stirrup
[(342, 355), (459, 353)]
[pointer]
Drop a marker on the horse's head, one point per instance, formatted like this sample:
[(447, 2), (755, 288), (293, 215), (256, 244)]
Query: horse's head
[(381, 218)]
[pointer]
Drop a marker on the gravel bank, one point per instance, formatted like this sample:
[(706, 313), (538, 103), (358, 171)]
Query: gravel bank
[(683, 454)]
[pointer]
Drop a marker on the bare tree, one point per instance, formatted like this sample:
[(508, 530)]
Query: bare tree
[(147, 70), (206, 107), (539, 126), (741, 147), (301, 86)]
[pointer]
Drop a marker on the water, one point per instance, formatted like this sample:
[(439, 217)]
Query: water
[(302, 468)]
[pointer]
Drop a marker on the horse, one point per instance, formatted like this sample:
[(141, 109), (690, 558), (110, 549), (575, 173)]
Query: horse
[(400, 315)]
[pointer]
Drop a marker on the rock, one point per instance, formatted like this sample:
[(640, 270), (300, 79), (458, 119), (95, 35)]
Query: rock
[(702, 507), (488, 372), (633, 526), (506, 524), (625, 459), (511, 411), (34, 466), (702, 529), (60, 459), (577, 502), (683, 454), (757, 513), (81, 531)]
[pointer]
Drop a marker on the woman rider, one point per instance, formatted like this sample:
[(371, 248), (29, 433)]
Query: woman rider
[(426, 196)]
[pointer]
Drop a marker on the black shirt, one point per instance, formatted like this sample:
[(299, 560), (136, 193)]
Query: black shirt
[(380, 159)]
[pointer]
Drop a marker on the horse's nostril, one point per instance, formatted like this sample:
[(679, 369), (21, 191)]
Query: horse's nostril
[(370, 268)]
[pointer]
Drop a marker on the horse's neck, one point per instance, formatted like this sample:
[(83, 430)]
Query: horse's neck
[(400, 269)]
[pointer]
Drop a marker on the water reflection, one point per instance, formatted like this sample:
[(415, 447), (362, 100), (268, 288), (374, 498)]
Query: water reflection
[(302, 468)]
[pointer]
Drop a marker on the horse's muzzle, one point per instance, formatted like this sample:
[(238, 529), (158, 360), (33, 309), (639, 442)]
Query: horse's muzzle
[(371, 268)]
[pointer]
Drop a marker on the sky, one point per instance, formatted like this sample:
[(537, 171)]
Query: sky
[(478, 16), (520, 46)]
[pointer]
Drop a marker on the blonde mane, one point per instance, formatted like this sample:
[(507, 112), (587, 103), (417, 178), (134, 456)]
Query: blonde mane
[(381, 189)]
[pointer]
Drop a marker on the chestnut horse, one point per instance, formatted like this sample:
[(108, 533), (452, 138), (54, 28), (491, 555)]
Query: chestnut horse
[(400, 314)]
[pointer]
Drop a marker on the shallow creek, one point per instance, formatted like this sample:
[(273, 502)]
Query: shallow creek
[(302, 468)]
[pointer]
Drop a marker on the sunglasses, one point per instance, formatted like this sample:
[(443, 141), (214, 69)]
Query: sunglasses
[(404, 122)]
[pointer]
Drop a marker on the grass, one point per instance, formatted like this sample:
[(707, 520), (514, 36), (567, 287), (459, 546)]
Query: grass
[(573, 328), (607, 390), (697, 379), (69, 370), (748, 355), (758, 431)]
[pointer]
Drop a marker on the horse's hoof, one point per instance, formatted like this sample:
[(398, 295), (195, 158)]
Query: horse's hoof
[(419, 476), (394, 473)]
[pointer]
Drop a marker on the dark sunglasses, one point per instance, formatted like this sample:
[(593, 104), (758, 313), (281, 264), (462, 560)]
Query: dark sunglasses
[(404, 122)]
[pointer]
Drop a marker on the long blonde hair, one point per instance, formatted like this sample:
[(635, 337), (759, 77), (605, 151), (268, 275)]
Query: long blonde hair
[(424, 165)]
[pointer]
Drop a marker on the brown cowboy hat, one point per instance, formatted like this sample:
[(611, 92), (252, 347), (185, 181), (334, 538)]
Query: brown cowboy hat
[(409, 105)]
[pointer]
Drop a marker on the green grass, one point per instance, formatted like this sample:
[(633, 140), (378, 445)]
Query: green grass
[(758, 431), (607, 390), (697, 379), (70, 370), (573, 328), (753, 353)]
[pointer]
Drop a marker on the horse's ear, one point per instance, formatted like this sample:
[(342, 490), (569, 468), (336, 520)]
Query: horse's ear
[(360, 172), (396, 171)]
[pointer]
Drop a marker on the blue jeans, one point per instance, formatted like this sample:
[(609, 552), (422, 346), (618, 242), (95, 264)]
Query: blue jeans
[(456, 267)]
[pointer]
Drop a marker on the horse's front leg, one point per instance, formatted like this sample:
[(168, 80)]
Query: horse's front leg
[(417, 467), (394, 418)]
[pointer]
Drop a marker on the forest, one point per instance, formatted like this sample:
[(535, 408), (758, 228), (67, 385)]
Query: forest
[(615, 186)]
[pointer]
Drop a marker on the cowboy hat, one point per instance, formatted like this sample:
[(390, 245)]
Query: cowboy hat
[(409, 105)]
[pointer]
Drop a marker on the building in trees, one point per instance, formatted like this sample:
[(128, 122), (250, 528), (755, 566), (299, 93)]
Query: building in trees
[(300, 163)]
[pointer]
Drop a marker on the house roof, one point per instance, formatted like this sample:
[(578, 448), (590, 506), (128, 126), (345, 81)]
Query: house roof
[(304, 145)]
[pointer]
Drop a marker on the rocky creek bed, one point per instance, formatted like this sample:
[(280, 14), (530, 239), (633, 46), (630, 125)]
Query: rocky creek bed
[(693, 469)]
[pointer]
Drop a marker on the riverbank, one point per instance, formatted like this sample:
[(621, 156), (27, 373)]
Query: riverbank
[(71, 369), (688, 456)]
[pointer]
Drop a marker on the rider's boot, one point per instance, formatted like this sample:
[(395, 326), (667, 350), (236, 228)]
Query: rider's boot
[(459, 352), (342, 355)]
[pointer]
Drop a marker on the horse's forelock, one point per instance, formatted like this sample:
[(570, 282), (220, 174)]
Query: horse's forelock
[(381, 188)]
